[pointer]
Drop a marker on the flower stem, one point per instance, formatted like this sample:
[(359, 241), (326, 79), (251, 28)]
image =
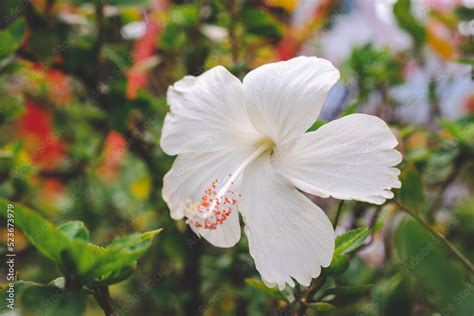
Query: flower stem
[(307, 298), (338, 213), (415, 214), (102, 296)]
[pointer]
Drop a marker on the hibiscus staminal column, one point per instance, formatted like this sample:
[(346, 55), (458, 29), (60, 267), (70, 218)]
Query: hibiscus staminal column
[(216, 206)]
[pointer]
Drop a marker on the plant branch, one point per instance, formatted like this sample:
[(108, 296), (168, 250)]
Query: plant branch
[(232, 27), (102, 296), (415, 214), (315, 286), (338, 213)]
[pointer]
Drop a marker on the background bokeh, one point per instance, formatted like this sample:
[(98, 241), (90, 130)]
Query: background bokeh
[(82, 100)]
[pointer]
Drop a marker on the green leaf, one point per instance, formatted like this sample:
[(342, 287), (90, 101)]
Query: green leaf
[(67, 245), (12, 105), (406, 20), (43, 235), (321, 306), (351, 109), (396, 296), (120, 257), (186, 15), (172, 37), (466, 60), (464, 13), (259, 285), (425, 258), (18, 30), (11, 38), (456, 129), (8, 44), (261, 23), (351, 240), (317, 125), (75, 230), (49, 300), (72, 256), (129, 3), (112, 277), (462, 130), (411, 192), (58, 301), (441, 164), (349, 289), (339, 265)]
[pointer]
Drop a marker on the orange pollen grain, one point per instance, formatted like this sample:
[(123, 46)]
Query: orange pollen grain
[(213, 209)]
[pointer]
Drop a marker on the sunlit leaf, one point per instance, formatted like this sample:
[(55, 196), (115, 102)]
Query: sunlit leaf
[(11, 37), (120, 256), (351, 240), (75, 230), (321, 306), (259, 285)]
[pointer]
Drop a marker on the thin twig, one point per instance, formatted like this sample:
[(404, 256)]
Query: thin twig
[(338, 213), (232, 27), (413, 213), (102, 296), (307, 298)]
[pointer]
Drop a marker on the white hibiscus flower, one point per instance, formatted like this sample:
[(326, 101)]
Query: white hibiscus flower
[(242, 148)]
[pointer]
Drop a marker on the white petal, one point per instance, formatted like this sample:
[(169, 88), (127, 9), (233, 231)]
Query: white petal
[(285, 98), (348, 158), (190, 175), (206, 114), (289, 236)]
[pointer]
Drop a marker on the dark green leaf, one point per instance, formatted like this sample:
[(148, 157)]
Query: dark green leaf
[(465, 13), (172, 37), (425, 258), (349, 289), (261, 23), (406, 20), (396, 296), (411, 192), (18, 30), (49, 300), (129, 3)]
